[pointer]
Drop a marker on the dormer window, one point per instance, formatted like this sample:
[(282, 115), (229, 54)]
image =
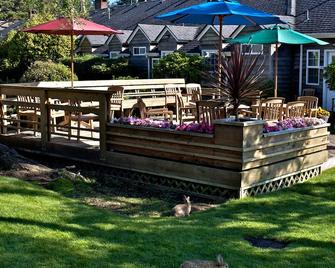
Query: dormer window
[(139, 51)]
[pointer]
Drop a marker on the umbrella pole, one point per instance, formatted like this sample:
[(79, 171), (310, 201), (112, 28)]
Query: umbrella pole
[(276, 71), (220, 48), (72, 64)]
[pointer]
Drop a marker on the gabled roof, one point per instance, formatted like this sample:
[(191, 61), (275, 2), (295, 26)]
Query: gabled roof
[(122, 37), (180, 33), (95, 40), (150, 31), (227, 30)]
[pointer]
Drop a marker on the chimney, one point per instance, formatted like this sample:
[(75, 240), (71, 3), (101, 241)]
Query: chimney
[(291, 7), (100, 4)]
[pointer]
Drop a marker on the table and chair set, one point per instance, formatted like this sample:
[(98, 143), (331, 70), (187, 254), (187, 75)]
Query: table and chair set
[(178, 103)]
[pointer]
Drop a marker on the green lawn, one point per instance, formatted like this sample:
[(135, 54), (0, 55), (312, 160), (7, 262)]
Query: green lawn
[(41, 228)]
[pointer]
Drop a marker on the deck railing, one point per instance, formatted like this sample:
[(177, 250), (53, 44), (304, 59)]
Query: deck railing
[(37, 111)]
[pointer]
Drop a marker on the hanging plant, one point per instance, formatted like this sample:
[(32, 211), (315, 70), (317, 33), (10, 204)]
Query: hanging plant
[(329, 75)]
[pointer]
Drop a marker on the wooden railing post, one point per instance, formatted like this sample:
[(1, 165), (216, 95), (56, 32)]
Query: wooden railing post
[(103, 118), (45, 120), (2, 114)]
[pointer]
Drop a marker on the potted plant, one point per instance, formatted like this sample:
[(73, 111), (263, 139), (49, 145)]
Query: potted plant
[(240, 78), (323, 114)]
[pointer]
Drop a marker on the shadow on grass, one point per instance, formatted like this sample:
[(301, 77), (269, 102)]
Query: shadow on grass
[(79, 236)]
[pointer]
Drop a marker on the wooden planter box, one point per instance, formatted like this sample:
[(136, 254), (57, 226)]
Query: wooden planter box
[(237, 156)]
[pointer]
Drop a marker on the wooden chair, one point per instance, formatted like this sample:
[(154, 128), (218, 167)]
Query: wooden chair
[(116, 100), (295, 109), (171, 90), (28, 111), (147, 113), (81, 119), (208, 111), (193, 93), (311, 105), (308, 92), (271, 109), (186, 111)]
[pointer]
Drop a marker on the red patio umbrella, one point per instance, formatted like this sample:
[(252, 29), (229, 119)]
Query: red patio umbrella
[(67, 26)]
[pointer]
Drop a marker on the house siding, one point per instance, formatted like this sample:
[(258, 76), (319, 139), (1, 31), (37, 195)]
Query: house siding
[(209, 40), (140, 63), (167, 43), (319, 87), (286, 67), (85, 47), (115, 44)]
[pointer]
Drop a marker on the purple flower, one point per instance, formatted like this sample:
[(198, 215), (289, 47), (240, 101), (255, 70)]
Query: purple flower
[(291, 123)]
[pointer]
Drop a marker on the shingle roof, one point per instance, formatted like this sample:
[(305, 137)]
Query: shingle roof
[(321, 16), (227, 30), (184, 33), (123, 37), (151, 31), (96, 40), (128, 16), (6, 26)]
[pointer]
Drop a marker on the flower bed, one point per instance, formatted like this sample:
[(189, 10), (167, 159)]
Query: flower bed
[(165, 124), (292, 123)]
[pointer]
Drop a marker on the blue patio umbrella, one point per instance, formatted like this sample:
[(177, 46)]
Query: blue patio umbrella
[(224, 12)]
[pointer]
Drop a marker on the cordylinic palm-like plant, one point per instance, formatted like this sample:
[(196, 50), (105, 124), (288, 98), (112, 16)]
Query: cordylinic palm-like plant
[(240, 78)]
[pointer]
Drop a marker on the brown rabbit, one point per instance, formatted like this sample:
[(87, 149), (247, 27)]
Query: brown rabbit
[(183, 210), (219, 263)]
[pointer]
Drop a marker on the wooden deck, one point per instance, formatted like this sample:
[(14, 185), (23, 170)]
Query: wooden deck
[(237, 160)]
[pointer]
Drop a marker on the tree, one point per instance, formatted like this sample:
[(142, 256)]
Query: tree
[(180, 65), (26, 9), (19, 50)]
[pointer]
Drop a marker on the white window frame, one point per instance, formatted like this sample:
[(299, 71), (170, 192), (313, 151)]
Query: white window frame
[(166, 52), (139, 50), (114, 52), (153, 60), (312, 67), (252, 52), (209, 51)]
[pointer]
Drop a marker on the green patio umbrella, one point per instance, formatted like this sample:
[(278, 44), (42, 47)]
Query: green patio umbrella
[(276, 35)]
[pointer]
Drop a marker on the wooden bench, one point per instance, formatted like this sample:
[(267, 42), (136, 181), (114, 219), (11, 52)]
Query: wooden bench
[(151, 91)]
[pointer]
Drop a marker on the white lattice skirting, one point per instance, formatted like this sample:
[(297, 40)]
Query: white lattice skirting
[(280, 182)]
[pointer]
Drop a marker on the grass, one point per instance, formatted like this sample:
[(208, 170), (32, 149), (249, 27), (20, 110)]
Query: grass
[(42, 228)]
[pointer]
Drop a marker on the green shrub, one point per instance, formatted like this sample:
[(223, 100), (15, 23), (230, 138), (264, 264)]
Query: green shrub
[(89, 67), (329, 74), (47, 71), (180, 65)]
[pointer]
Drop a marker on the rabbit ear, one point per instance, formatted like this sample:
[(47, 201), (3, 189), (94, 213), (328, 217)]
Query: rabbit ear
[(219, 259)]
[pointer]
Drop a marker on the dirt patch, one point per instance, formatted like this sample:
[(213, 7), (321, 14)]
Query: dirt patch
[(261, 242), (93, 186)]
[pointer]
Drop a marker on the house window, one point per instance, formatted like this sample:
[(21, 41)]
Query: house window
[(139, 51), (154, 61), (313, 67), (165, 53), (210, 59), (114, 54), (252, 49)]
